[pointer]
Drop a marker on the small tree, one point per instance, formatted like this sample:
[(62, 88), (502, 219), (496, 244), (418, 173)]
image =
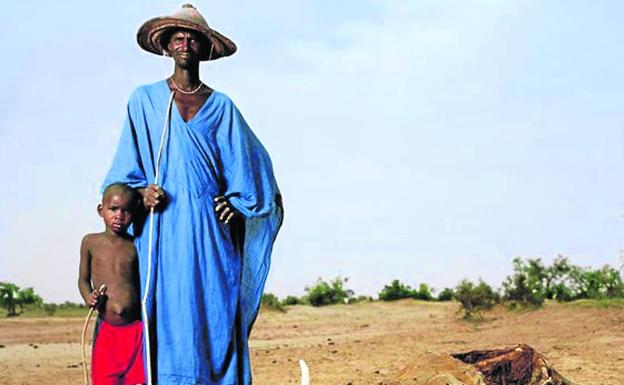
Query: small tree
[(327, 293), (527, 285), (11, 297), (560, 284), (475, 298)]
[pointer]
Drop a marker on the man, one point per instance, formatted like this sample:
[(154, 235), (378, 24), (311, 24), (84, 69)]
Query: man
[(218, 210)]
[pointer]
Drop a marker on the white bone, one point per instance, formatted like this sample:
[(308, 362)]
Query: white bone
[(305, 373)]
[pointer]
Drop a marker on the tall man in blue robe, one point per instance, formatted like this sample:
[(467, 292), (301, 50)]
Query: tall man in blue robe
[(217, 210)]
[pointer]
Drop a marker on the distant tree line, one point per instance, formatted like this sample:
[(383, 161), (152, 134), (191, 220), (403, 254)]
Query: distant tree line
[(532, 282), (529, 285), (14, 300)]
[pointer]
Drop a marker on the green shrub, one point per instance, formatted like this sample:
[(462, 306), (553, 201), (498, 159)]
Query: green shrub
[(67, 305), (532, 282), (561, 293), (475, 298), (49, 308), (328, 293), (270, 301), (363, 298), (561, 281), (423, 292), (446, 295), (291, 300), (601, 283), (527, 285), (395, 290), (360, 298), (69, 309)]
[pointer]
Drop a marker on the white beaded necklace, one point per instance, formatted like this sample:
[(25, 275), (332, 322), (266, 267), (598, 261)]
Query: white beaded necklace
[(183, 91)]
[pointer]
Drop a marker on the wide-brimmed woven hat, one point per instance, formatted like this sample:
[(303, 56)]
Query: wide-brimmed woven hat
[(150, 33)]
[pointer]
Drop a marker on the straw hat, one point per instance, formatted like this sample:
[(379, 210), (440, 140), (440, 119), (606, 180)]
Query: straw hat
[(187, 17)]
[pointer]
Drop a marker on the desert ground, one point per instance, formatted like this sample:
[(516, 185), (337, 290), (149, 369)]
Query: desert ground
[(358, 344)]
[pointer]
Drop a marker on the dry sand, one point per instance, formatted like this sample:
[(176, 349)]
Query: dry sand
[(361, 344)]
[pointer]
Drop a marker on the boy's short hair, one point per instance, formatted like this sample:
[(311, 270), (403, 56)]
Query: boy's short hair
[(122, 188)]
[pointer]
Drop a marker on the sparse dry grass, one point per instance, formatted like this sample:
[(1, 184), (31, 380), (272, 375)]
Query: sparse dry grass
[(363, 343)]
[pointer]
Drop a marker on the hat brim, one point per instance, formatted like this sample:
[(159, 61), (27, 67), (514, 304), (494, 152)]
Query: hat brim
[(151, 31)]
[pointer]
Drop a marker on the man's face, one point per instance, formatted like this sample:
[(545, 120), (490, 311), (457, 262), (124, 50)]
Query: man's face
[(117, 211), (185, 47)]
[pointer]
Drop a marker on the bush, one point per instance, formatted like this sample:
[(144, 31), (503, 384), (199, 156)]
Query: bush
[(360, 298), (527, 285), (67, 305), (49, 308), (600, 284), (363, 298), (271, 301), (475, 298), (446, 295), (532, 282), (613, 284), (423, 292), (328, 293), (291, 300), (561, 284), (561, 293), (395, 290)]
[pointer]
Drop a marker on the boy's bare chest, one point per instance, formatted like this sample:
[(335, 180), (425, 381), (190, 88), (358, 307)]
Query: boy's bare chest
[(118, 265), (113, 260)]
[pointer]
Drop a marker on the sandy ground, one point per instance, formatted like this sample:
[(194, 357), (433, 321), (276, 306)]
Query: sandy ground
[(361, 344)]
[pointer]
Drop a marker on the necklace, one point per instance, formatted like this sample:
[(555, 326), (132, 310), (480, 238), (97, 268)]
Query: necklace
[(177, 87)]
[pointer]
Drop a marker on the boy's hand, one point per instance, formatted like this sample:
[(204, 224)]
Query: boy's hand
[(95, 299), (154, 196), (225, 212)]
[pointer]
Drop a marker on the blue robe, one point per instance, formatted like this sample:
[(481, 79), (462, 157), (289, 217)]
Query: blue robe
[(207, 279)]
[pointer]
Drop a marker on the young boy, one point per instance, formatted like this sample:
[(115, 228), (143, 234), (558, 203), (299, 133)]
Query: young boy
[(110, 258)]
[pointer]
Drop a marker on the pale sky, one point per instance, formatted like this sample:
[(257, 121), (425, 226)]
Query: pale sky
[(426, 141)]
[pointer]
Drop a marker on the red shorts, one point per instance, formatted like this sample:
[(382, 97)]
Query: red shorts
[(118, 355)]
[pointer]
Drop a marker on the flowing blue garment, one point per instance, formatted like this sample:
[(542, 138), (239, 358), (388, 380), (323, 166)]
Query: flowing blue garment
[(207, 278)]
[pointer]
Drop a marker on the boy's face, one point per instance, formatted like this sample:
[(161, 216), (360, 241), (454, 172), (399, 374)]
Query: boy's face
[(117, 210)]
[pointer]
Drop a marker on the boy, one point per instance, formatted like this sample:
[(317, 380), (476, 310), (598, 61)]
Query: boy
[(110, 258)]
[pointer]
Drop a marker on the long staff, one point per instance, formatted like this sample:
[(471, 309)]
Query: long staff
[(85, 372), (150, 250)]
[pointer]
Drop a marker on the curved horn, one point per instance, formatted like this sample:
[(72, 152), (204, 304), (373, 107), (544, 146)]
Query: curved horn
[(305, 373)]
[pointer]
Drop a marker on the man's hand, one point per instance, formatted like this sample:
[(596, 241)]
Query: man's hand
[(224, 211), (153, 197)]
